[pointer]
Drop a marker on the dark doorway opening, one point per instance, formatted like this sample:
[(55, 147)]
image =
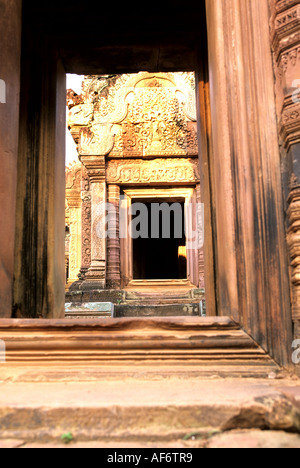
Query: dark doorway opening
[(161, 255)]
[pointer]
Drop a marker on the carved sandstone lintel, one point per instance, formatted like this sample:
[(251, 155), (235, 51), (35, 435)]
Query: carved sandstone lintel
[(158, 171)]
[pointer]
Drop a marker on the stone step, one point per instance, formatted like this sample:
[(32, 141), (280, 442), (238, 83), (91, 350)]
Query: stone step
[(192, 342), (145, 411)]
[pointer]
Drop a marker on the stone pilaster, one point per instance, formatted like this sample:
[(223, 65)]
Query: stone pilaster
[(285, 30), (294, 249), (113, 240), (74, 203), (86, 212), (95, 277)]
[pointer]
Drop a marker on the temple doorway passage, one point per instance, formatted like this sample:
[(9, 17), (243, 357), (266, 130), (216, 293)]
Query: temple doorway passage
[(134, 215), (162, 239), (159, 252)]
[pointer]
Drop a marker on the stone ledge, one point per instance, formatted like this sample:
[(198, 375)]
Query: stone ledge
[(89, 310)]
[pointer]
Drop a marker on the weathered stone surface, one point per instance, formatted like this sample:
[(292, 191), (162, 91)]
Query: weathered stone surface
[(165, 410), (171, 310), (274, 412), (254, 440), (10, 52), (97, 295), (90, 309), (11, 444)]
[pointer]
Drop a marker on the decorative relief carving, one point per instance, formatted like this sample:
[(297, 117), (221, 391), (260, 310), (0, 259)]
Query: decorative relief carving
[(156, 125), (288, 18), (73, 176), (128, 116), (293, 241), (286, 48), (136, 115), (152, 172), (290, 123), (86, 223), (96, 140)]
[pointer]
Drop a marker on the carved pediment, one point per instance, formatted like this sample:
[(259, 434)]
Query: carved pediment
[(137, 115)]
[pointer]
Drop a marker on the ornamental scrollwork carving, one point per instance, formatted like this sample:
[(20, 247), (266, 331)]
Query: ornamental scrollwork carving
[(136, 115), (153, 172)]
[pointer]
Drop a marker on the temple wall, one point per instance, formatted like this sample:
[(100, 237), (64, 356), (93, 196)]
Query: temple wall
[(39, 286), (285, 38), (10, 52), (251, 252)]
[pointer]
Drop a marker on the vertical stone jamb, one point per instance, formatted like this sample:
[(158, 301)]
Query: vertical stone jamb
[(86, 212), (113, 240), (10, 53), (95, 277), (74, 204), (285, 35)]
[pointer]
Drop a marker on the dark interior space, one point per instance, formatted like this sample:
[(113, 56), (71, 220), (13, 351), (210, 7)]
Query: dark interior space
[(97, 38), (160, 258)]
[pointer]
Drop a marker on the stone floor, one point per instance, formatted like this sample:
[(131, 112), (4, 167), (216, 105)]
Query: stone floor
[(171, 412)]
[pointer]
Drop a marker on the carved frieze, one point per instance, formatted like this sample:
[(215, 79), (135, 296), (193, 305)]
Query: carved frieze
[(171, 171)]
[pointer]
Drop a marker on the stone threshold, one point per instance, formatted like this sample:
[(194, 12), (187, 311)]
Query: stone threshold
[(200, 344)]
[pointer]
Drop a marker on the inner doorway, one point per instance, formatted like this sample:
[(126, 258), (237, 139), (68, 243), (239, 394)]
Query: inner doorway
[(160, 253), (162, 239)]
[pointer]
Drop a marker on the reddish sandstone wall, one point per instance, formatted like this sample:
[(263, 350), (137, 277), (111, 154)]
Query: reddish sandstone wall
[(10, 50)]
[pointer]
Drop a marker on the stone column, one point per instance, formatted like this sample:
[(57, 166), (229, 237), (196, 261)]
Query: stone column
[(74, 204), (95, 278), (113, 240)]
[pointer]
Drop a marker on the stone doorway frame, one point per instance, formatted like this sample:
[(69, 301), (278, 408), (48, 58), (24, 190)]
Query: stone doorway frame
[(171, 194), (240, 166)]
